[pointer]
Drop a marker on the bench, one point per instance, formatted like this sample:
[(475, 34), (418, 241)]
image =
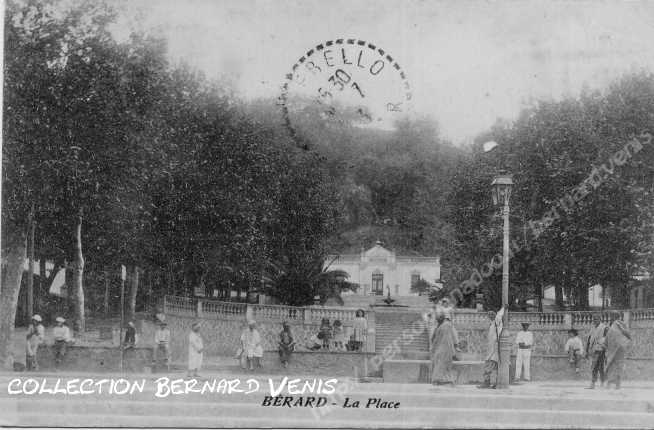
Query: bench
[(414, 371)]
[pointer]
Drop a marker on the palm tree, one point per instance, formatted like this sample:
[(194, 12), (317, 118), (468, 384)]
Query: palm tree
[(298, 285)]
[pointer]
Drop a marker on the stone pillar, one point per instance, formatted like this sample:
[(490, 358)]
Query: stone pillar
[(632, 298), (505, 359), (567, 320), (370, 339), (627, 318), (198, 311)]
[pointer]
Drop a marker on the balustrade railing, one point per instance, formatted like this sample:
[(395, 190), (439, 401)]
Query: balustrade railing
[(642, 314), (180, 305), (461, 317), (586, 317), (273, 312), (316, 314), (223, 308)]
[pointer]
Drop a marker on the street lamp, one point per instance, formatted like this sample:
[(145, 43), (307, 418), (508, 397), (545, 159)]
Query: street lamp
[(502, 185)]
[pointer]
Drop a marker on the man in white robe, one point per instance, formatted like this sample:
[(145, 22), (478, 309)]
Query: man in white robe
[(252, 347), (195, 349)]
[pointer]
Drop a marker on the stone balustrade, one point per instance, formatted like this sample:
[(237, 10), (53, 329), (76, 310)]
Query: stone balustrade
[(207, 308)]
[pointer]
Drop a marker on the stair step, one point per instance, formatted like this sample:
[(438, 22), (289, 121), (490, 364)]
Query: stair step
[(404, 416)]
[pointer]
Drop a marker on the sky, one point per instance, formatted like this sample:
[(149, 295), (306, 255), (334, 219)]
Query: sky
[(468, 62)]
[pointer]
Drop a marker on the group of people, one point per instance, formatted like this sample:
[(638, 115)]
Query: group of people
[(162, 345), (36, 336), (605, 346), (250, 350), (337, 337)]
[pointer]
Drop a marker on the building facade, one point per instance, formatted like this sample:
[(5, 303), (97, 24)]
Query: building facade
[(379, 270)]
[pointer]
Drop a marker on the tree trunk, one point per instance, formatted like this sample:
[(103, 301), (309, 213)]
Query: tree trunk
[(558, 296), (106, 293), (43, 279), (16, 247), (133, 290), (170, 279), (30, 273), (78, 275), (582, 297)]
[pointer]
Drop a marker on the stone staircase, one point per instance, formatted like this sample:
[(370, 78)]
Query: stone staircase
[(405, 329)]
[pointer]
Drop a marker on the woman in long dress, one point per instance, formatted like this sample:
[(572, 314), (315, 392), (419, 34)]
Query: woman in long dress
[(617, 337), (442, 351), (195, 348)]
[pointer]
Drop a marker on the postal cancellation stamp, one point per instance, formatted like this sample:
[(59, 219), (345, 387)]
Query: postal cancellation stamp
[(345, 80)]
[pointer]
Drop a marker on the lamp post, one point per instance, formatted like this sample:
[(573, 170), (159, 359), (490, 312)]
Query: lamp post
[(502, 185)]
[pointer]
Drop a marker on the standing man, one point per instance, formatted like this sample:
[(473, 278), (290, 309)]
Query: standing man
[(525, 340), (162, 344), (493, 353), (442, 351), (130, 336), (62, 337), (617, 338), (195, 350), (251, 340), (35, 335), (596, 348)]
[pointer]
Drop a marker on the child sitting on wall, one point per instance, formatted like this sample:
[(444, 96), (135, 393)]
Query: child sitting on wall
[(325, 333)]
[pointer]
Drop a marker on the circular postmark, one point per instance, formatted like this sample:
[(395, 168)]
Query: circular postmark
[(344, 81)]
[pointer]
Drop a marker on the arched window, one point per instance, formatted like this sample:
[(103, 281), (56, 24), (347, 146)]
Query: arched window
[(415, 277)]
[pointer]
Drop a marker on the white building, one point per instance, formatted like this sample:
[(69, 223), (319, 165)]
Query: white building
[(378, 269)]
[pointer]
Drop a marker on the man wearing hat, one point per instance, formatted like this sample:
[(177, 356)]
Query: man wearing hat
[(525, 340), (35, 335), (61, 335), (162, 344)]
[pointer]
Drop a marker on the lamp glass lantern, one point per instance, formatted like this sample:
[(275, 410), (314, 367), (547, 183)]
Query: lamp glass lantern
[(502, 185)]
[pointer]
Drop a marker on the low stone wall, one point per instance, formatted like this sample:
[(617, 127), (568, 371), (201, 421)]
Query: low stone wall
[(557, 367), (551, 342), (95, 359), (222, 336), (326, 364)]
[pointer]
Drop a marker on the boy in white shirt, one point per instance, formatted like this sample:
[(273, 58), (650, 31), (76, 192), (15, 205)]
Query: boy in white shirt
[(162, 344), (574, 348), (525, 340), (62, 338)]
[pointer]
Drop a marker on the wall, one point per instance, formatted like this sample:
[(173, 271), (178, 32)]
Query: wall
[(315, 363), (552, 341), (95, 359), (222, 336)]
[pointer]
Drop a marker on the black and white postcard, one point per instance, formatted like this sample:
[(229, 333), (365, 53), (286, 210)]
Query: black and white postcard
[(327, 214)]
